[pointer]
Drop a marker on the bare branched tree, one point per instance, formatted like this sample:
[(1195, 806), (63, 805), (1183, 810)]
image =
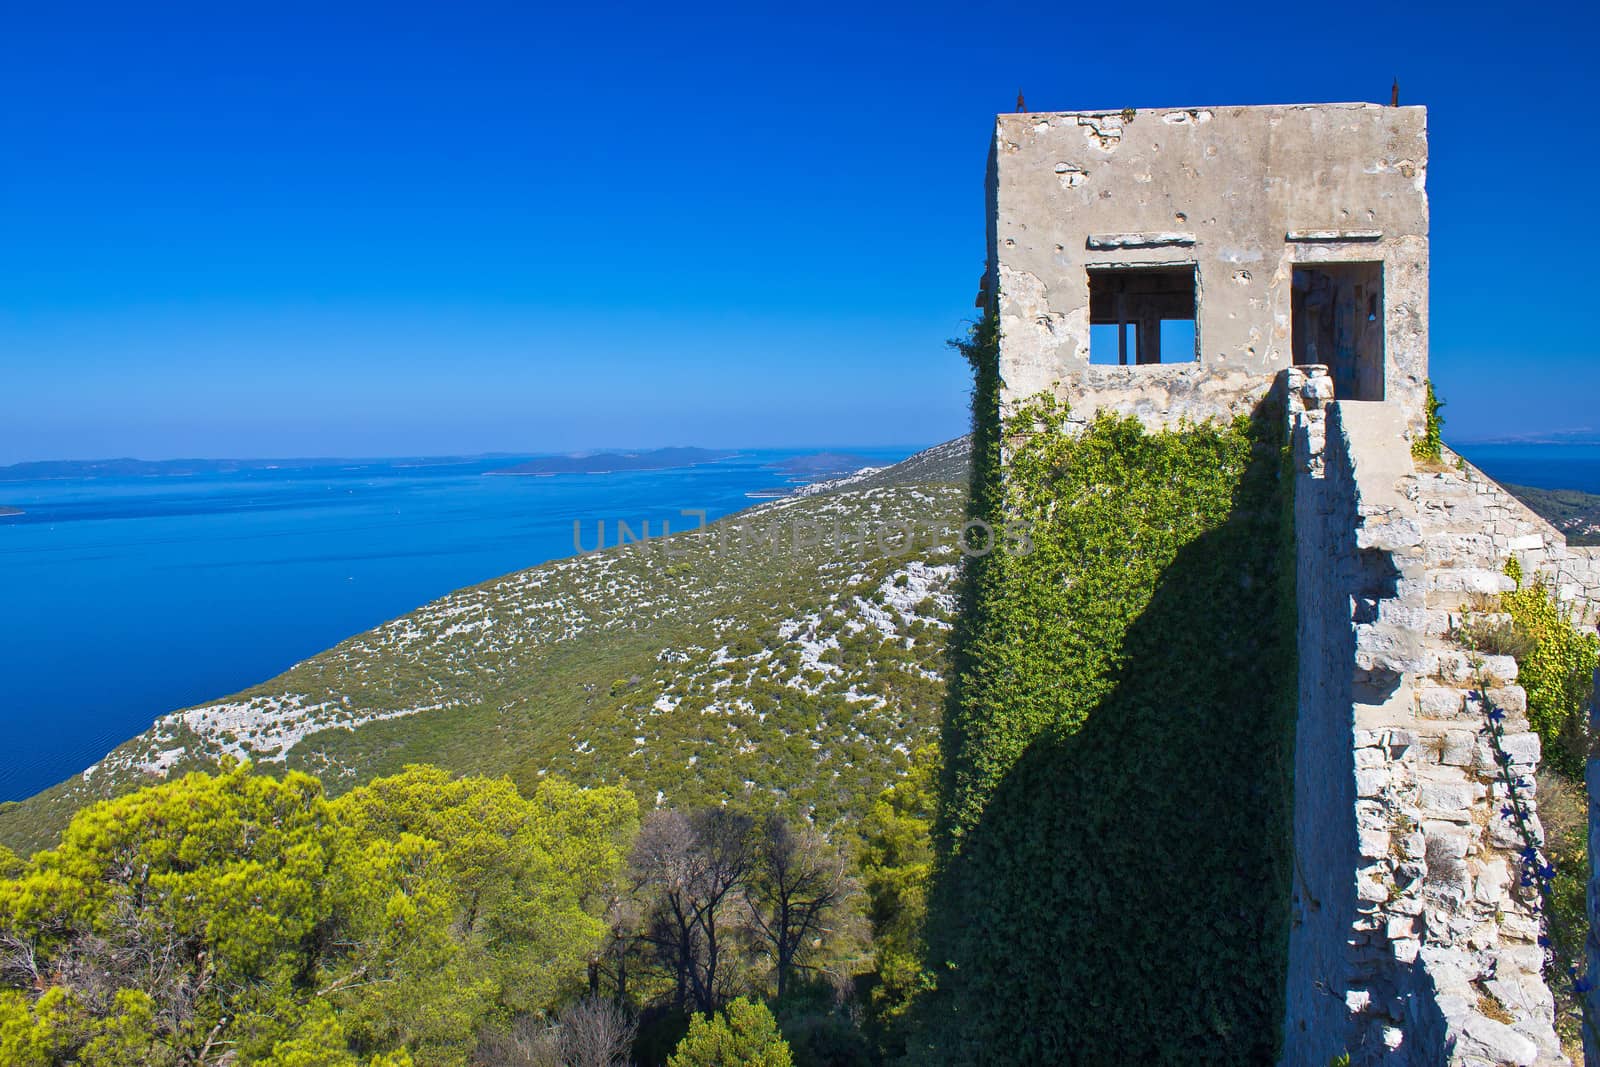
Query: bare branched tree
[(532, 1042), (695, 869), (616, 957), (798, 880), (726, 851), (662, 864), (595, 1033)]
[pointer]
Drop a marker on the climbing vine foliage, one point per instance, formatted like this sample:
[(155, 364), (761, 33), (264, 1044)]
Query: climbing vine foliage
[(1114, 818), (1555, 667), (1430, 446)]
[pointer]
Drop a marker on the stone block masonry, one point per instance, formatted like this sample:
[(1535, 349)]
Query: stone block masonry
[(1413, 941), (1480, 512)]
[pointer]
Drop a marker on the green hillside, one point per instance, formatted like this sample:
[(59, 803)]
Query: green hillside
[(795, 649)]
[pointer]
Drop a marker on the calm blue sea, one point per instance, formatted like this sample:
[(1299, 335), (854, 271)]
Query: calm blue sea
[(1541, 466), (124, 598)]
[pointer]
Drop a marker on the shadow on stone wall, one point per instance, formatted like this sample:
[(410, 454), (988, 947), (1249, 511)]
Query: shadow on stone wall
[(1123, 897)]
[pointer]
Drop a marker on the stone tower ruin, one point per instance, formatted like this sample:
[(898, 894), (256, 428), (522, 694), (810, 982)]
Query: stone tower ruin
[(1172, 263), (1187, 264)]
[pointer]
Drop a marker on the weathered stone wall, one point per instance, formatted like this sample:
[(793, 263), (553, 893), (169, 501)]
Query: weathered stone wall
[(1575, 577), (1322, 963), (1413, 942), (1243, 194), (1572, 573)]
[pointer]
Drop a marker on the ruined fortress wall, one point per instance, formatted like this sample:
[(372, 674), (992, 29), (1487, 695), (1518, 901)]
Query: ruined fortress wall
[(1323, 909), (1242, 194), (1412, 941), (1571, 572)]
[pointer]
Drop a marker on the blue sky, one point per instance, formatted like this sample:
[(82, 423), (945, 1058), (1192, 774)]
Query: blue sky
[(274, 230)]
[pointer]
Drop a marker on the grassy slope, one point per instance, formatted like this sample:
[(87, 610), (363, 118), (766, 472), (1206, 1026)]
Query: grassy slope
[(731, 666)]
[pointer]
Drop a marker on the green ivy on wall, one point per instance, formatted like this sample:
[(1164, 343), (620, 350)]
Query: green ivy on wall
[(1115, 826)]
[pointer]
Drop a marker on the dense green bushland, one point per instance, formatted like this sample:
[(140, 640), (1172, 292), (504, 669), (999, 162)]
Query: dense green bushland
[(1114, 828), (755, 702), (247, 919), (423, 919)]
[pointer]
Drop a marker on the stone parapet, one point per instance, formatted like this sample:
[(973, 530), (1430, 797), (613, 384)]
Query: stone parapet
[(1414, 941)]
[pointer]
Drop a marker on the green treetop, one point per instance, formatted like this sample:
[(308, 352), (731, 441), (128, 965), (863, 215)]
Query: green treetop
[(244, 918), (743, 1035)]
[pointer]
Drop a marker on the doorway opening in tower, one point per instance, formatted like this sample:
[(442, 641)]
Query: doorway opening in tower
[(1338, 321)]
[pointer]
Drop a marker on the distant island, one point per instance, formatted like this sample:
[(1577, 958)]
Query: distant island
[(822, 465), (48, 469), (797, 470), (515, 463), (615, 462), (44, 470)]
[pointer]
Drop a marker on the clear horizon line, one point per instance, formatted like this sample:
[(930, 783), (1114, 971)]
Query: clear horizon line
[(577, 453)]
